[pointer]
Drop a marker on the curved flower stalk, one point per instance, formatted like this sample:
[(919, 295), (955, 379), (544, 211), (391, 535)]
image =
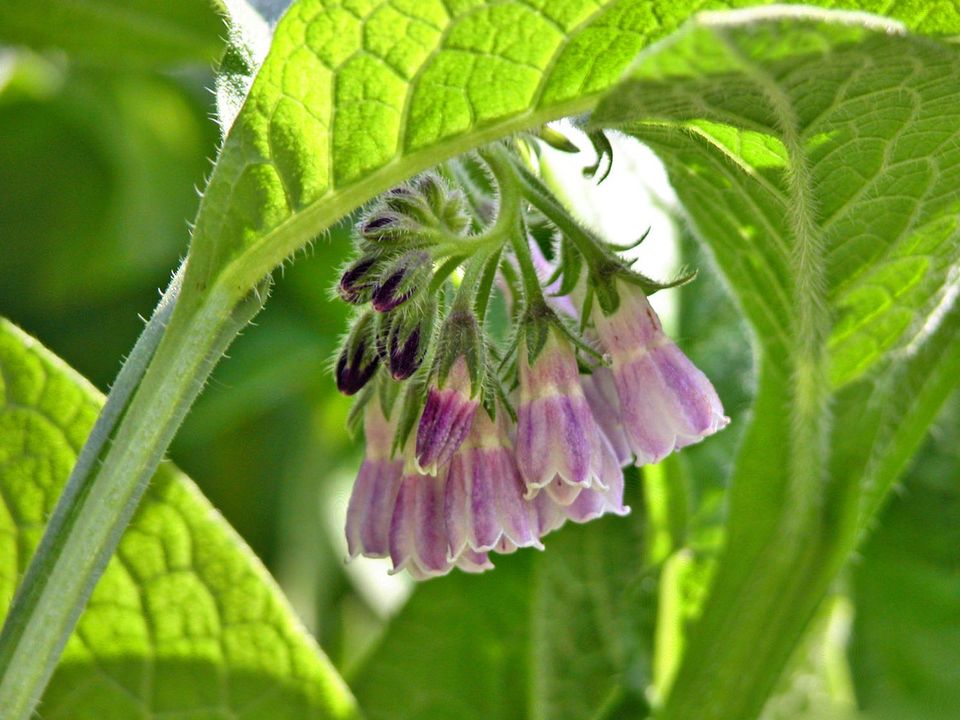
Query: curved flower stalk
[(459, 472)]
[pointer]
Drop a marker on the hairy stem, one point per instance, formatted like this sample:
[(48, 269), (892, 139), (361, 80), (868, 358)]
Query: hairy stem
[(156, 386)]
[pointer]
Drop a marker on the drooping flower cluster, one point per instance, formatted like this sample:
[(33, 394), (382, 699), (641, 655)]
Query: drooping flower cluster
[(483, 439)]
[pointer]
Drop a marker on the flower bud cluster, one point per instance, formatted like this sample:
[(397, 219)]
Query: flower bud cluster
[(492, 444)]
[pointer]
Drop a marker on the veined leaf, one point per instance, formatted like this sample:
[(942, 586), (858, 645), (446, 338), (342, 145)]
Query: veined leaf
[(356, 96), (134, 32), (819, 157), (185, 622), (906, 643)]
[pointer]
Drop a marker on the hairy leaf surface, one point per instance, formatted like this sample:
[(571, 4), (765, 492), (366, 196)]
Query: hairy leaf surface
[(354, 97), (820, 161), (185, 622)]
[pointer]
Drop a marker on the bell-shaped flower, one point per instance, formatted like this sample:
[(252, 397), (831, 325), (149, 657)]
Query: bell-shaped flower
[(446, 419), (666, 402), (484, 503), (370, 511), (557, 436), (419, 538), (589, 503), (454, 393), (601, 392)]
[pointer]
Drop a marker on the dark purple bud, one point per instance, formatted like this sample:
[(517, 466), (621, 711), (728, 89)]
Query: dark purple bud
[(358, 359), (377, 223), (404, 336), (384, 225), (404, 355), (358, 281), (386, 297), (402, 280)]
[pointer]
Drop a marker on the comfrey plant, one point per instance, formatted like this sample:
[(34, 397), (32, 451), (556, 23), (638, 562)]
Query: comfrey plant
[(481, 441), (505, 361)]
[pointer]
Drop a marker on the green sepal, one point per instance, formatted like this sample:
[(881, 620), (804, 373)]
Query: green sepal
[(627, 247), (461, 336), (605, 290), (485, 286), (536, 325), (557, 140), (414, 395), (571, 265), (355, 415), (603, 148), (650, 286), (388, 392)]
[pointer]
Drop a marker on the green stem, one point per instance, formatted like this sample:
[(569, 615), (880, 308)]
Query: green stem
[(100, 498), (509, 187), (541, 198)]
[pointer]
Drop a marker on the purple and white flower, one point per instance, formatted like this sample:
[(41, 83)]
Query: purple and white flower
[(484, 503), (370, 510), (419, 539), (446, 419), (557, 436), (589, 504), (665, 401)]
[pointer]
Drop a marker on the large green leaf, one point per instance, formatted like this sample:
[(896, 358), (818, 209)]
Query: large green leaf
[(356, 96), (131, 32), (906, 644), (185, 622), (818, 156)]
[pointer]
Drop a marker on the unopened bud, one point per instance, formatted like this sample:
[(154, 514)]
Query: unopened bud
[(407, 339), (402, 280), (358, 359), (358, 280), (386, 226)]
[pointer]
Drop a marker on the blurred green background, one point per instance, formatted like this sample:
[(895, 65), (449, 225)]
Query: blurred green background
[(99, 171)]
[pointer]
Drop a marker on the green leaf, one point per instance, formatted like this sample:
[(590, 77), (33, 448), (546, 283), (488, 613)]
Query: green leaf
[(354, 97), (817, 155), (593, 618), (562, 634), (248, 39), (457, 651), (185, 622), (906, 644), (131, 32)]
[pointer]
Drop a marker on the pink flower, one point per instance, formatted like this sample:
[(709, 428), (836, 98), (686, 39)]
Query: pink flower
[(375, 491), (601, 392), (557, 437), (419, 540), (666, 402), (589, 504), (484, 504), (446, 419)]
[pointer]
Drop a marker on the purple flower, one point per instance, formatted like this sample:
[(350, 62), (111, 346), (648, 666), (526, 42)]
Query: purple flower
[(446, 419), (589, 503), (601, 392), (370, 511), (557, 436), (666, 402), (484, 504), (419, 541)]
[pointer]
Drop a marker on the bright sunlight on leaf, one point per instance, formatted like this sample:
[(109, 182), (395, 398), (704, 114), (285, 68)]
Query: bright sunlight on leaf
[(185, 622), (610, 480)]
